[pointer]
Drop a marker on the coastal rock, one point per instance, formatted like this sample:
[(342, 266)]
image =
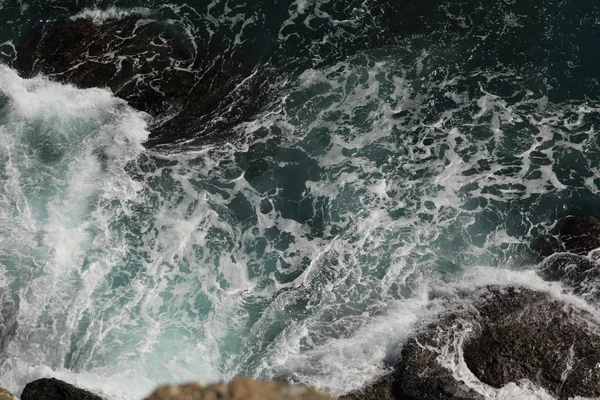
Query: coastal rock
[(145, 63), (6, 395), (238, 389), (421, 375), (522, 334), (53, 389), (384, 389), (574, 234), (580, 273), (499, 335), (570, 256)]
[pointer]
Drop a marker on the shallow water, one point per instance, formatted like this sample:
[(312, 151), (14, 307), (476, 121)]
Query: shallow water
[(390, 160)]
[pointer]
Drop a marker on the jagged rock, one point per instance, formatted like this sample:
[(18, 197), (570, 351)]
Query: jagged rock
[(6, 395), (238, 389), (53, 389), (144, 63)]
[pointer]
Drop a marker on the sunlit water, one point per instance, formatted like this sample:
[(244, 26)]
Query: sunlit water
[(306, 245)]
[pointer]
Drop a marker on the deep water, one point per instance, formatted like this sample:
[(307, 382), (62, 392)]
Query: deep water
[(405, 146)]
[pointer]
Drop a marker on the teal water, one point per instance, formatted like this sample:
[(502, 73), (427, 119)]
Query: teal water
[(390, 161)]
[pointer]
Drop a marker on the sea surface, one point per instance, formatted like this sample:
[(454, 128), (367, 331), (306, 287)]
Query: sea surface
[(405, 148)]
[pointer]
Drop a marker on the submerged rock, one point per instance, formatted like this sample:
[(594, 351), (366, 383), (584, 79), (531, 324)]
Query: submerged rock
[(238, 389), (53, 389), (144, 63), (580, 273), (574, 234), (570, 256), (8, 319)]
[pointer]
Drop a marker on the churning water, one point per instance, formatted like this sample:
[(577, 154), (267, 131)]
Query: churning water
[(392, 158)]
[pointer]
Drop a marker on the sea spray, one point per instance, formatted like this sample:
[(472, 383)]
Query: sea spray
[(307, 243)]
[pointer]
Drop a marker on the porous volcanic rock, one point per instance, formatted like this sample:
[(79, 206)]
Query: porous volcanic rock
[(143, 62), (238, 389), (54, 389)]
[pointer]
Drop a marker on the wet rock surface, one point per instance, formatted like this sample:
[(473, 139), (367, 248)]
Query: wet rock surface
[(384, 389), (574, 234), (571, 257), (54, 389), (145, 63), (522, 334), (8, 319), (238, 389), (506, 334)]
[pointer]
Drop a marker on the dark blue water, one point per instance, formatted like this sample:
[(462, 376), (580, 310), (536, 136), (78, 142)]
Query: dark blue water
[(402, 146)]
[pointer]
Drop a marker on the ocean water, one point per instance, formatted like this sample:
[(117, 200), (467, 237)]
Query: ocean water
[(405, 149)]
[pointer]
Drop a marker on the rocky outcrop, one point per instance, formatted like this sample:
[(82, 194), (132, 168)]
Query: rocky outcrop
[(6, 395), (238, 389), (570, 257), (53, 389), (574, 234), (144, 63), (522, 334), (498, 336), (384, 389)]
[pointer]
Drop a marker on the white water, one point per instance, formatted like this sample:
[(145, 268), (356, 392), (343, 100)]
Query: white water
[(307, 249)]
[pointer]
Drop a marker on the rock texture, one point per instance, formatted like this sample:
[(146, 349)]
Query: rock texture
[(238, 389), (6, 395), (574, 234), (53, 389), (505, 334), (571, 257), (384, 389), (144, 63), (523, 334)]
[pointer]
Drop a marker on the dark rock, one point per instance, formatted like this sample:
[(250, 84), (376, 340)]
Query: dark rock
[(421, 376), (53, 389), (573, 234), (383, 389), (522, 334), (505, 334), (570, 257), (144, 63), (580, 273)]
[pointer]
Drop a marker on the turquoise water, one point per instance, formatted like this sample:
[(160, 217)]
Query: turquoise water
[(388, 162)]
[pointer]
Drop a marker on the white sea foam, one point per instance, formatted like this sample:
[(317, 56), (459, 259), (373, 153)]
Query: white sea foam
[(111, 13), (307, 249)]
